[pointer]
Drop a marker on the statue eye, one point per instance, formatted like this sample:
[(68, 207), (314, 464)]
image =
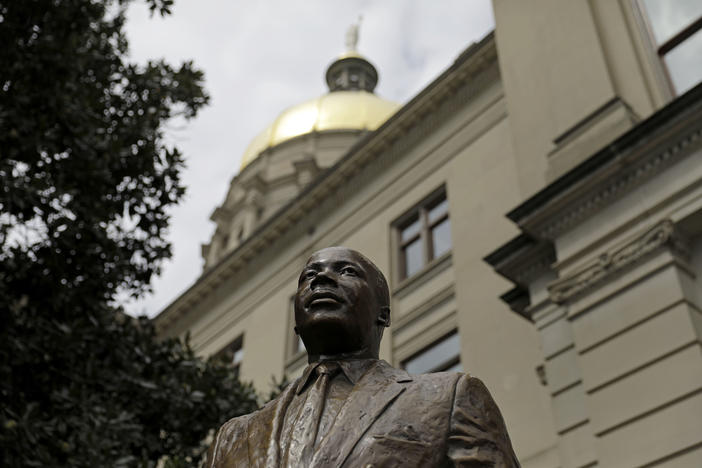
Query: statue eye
[(348, 270), (309, 274)]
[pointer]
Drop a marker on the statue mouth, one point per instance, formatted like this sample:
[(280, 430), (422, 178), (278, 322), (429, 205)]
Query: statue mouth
[(320, 298)]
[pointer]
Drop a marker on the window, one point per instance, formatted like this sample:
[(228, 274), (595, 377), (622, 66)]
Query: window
[(442, 355), (233, 354), (676, 28), (424, 234)]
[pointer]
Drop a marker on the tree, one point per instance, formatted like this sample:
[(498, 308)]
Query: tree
[(86, 177), (86, 181), (104, 392)]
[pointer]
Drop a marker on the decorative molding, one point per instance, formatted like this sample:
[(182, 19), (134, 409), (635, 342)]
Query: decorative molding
[(518, 300), (611, 262), (254, 182), (591, 119), (632, 174), (306, 169), (536, 264), (638, 155), (522, 259)]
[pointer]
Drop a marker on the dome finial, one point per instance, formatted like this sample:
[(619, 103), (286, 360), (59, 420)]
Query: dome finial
[(351, 71), (352, 35)]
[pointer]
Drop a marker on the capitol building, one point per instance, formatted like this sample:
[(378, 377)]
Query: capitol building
[(537, 210)]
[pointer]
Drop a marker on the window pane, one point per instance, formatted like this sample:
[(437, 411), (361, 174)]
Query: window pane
[(458, 367), (238, 356), (233, 354), (669, 17), (300, 345), (685, 63), (434, 357), (413, 257), (410, 231), (438, 211), (441, 238)]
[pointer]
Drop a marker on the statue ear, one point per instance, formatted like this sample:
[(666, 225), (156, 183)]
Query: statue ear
[(384, 316)]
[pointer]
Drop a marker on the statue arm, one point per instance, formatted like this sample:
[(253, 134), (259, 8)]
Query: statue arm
[(477, 433)]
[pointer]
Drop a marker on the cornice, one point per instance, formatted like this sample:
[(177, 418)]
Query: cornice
[(306, 163), (522, 259), (637, 156), (518, 300), (254, 182), (469, 64), (662, 234)]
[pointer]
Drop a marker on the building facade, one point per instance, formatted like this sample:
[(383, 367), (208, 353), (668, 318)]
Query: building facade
[(580, 309)]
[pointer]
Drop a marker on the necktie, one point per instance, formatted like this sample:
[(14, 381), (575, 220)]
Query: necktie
[(307, 423)]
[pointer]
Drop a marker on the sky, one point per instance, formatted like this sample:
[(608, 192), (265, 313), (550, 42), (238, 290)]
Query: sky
[(260, 57)]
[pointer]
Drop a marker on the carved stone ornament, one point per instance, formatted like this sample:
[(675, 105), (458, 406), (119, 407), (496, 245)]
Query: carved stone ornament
[(616, 260)]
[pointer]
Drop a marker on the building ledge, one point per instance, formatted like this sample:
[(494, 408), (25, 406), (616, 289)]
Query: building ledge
[(640, 153)]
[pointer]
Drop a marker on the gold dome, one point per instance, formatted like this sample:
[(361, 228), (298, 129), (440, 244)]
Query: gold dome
[(338, 110)]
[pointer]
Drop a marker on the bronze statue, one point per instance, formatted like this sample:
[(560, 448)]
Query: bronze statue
[(350, 409)]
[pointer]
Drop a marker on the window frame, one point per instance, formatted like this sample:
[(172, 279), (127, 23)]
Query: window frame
[(228, 354), (444, 365), (661, 50), (420, 212)]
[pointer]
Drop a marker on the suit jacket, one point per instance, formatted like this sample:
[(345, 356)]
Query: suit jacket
[(389, 419)]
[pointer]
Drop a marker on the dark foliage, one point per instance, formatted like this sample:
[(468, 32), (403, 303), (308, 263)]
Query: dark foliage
[(84, 171), (85, 185), (104, 392)]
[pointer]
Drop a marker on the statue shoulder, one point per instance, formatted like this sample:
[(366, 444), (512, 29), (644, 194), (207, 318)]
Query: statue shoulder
[(473, 385), (442, 379), (474, 408), (231, 431), (235, 426)]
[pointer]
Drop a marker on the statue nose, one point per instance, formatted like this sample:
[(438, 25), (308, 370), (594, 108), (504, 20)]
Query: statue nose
[(323, 277)]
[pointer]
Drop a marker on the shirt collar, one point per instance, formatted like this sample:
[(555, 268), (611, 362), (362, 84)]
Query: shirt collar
[(352, 369)]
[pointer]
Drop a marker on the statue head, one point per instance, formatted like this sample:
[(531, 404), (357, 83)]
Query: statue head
[(342, 305)]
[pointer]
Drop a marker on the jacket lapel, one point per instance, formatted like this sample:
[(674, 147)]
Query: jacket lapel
[(264, 431), (372, 394)]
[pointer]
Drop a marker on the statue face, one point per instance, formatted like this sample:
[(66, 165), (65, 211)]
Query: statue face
[(336, 308)]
